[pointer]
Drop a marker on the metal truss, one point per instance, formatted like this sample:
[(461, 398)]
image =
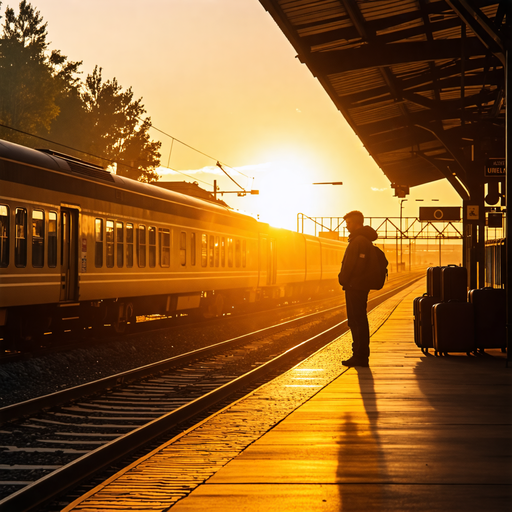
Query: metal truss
[(388, 228)]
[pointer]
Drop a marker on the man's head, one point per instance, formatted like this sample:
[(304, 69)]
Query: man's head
[(354, 220)]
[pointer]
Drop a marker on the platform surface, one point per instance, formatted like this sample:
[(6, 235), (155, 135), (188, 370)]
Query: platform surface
[(413, 432)]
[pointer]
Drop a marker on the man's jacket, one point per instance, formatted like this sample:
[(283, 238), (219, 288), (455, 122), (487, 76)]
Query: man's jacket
[(355, 261)]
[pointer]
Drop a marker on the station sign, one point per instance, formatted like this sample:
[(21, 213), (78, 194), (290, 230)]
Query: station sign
[(472, 212), (495, 220), (495, 167), (439, 213)]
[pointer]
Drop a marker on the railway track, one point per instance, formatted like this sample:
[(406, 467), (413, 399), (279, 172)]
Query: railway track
[(52, 443)]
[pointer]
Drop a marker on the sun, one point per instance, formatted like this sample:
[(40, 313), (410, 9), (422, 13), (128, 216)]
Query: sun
[(285, 191)]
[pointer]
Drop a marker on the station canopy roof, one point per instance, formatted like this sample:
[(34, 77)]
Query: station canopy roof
[(421, 82)]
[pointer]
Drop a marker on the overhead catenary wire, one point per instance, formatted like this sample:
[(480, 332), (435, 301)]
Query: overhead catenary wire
[(198, 151), (110, 161), (188, 176), (219, 165), (58, 143)]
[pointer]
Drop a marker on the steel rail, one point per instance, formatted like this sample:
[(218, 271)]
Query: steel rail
[(17, 411), (65, 478)]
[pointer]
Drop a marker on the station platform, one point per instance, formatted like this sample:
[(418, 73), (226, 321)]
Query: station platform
[(413, 432)]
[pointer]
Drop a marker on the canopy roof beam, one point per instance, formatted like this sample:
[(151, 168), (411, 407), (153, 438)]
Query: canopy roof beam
[(480, 25)]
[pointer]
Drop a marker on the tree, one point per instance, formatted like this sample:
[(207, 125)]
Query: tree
[(116, 130), (41, 94), (32, 79)]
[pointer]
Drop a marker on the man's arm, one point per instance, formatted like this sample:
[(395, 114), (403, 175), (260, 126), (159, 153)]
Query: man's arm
[(349, 263)]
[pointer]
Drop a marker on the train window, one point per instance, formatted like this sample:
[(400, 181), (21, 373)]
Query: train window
[(120, 243), (98, 246), (37, 238), (152, 246), (20, 248), (4, 235), (52, 239), (141, 246), (192, 248), (165, 247), (183, 248), (110, 243), (237, 253), (230, 252), (212, 243), (129, 245), (204, 250), (217, 251), (244, 253), (223, 252)]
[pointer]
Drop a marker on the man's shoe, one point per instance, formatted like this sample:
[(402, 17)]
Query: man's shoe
[(353, 361)]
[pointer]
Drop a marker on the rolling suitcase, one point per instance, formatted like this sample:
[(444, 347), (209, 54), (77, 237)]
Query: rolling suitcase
[(434, 281), (416, 313), (453, 327), (425, 305), (490, 317), (454, 285)]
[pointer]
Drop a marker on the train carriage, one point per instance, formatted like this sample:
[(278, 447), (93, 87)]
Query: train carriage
[(80, 246)]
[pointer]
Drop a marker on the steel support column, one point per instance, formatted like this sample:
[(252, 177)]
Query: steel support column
[(508, 192)]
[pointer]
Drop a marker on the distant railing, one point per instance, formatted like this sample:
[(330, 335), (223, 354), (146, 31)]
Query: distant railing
[(388, 228)]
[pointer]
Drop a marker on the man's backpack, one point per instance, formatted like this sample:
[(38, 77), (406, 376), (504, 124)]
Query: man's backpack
[(377, 270)]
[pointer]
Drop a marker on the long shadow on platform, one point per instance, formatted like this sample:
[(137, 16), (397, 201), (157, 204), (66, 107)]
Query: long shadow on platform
[(361, 463)]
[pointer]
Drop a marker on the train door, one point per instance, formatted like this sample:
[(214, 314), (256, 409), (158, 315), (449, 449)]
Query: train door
[(271, 262), (69, 254), (262, 260)]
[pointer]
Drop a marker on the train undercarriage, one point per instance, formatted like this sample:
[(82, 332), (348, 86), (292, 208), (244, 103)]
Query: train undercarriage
[(28, 327)]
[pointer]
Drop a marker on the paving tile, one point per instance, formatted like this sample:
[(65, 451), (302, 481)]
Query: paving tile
[(348, 498)]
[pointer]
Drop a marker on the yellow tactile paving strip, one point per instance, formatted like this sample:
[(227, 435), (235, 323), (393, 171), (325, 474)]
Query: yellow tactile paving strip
[(413, 432)]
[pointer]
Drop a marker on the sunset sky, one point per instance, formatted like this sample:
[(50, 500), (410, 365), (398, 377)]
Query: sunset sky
[(220, 76)]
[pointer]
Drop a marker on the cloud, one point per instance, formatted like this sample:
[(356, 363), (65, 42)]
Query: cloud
[(204, 170), (255, 168), (210, 170), (375, 189)]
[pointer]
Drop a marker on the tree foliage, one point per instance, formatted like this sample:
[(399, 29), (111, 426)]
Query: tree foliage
[(31, 77), (41, 94), (117, 128)]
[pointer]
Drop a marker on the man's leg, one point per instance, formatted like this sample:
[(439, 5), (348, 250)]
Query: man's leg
[(363, 331), (350, 301), (356, 302)]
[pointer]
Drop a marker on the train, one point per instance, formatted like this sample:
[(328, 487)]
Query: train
[(82, 248)]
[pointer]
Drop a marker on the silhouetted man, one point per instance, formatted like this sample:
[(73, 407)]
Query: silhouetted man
[(353, 278)]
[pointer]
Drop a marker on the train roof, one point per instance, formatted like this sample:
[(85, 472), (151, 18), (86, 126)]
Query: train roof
[(147, 195)]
